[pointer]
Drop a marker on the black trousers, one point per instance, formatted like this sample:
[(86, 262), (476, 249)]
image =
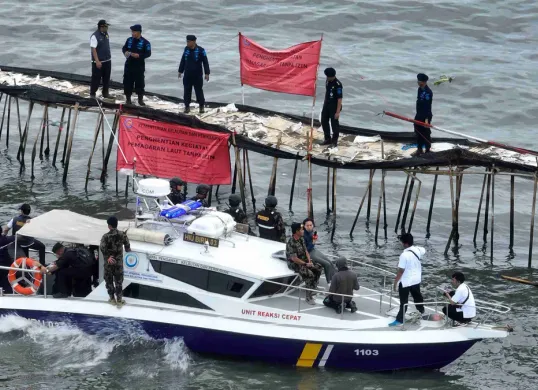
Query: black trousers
[(38, 246), (404, 299), (101, 74), (76, 281), (327, 115), (198, 84), (424, 134), (335, 302), (133, 79)]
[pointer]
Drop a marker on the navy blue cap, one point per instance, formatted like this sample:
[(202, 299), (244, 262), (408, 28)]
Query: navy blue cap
[(330, 72), (422, 77), (136, 27), (191, 38)]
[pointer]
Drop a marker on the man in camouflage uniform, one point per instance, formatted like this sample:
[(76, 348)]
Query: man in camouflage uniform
[(112, 244), (270, 222), (239, 216), (299, 261), (176, 191)]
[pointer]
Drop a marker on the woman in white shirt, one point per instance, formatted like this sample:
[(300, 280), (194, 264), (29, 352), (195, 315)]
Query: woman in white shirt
[(462, 305)]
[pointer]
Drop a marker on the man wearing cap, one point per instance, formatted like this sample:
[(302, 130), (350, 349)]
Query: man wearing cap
[(176, 191), (201, 194), (135, 50), (343, 282), (112, 244), (299, 261), (101, 59), (424, 114), (332, 106), (24, 242), (194, 64)]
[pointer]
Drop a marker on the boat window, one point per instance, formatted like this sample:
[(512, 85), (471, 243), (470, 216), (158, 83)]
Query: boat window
[(210, 281), (267, 288), (156, 294)]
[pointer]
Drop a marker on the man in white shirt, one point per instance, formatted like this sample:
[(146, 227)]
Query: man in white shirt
[(462, 307), (409, 276)]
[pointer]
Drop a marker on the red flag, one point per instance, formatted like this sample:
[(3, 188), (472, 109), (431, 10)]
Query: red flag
[(166, 150), (293, 70)]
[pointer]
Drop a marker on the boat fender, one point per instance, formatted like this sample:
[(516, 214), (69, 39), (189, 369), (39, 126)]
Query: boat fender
[(25, 262)]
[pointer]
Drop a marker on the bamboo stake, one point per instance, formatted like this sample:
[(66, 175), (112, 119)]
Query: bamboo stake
[(414, 207), (103, 143), (244, 166), (456, 236), (127, 186), (234, 180), (272, 180), (369, 200), (60, 127), (39, 132), (431, 205), (486, 217), (292, 182), (95, 137), (3, 117), (210, 197), (239, 173), (401, 204), (328, 187), (531, 240), (362, 203), (8, 122), (70, 145), (334, 204), (492, 213), (110, 145), (381, 194), (480, 207), (43, 126), (19, 117), (47, 150), (408, 202), (512, 202), (22, 145), (252, 186), (310, 203), (66, 135), (453, 207)]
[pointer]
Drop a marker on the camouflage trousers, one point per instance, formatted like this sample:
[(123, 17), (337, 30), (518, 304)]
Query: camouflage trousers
[(310, 275), (114, 280)]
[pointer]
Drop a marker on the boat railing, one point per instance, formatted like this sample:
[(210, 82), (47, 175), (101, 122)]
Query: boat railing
[(385, 272), (23, 271)]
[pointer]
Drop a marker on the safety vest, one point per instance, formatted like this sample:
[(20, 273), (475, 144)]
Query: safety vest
[(266, 222)]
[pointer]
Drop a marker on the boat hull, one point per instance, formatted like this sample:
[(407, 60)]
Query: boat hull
[(352, 356)]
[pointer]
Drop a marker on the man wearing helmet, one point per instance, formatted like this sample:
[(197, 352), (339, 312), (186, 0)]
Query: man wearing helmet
[(270, 222), (201, 194), (176, 190), (235, 211)]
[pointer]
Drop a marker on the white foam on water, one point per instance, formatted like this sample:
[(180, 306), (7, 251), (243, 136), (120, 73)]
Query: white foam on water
[(176, 354)]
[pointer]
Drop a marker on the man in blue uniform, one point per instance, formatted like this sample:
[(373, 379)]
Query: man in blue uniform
[(424, 114), (135, 50), (101, 59), (194, 64), (332, 106)]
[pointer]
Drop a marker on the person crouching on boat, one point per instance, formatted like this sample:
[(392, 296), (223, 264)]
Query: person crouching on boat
[(462, 305), (310, 238), (201, 194), (73, 264), (270, 222), (112, 244), (343, 282), (409, 277), (176, 191), (299, 261)]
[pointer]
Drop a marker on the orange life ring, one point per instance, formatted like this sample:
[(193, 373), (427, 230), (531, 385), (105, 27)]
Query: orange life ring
[(31, 264)]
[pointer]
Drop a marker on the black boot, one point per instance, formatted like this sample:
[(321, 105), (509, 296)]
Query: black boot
[(106, 95), (187, 109), (202, 109), (326, 142), (128, 99), (141, 100)]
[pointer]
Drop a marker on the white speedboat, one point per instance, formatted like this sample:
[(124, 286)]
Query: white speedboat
[(227, 293)]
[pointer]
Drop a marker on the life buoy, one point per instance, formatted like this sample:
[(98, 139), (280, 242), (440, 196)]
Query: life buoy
[(25, 262)]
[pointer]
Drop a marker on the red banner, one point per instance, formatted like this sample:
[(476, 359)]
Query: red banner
[(167, 150), (293, 70)]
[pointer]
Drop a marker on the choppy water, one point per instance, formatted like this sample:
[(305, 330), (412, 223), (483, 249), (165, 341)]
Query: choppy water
[(377, 49)]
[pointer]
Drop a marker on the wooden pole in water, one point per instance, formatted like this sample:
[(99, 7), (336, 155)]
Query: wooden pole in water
[(453, 207), (401, 204), (252, 186), (492, 211), (70, 145), (239, 173), (486, 217), (328, 187), (95, 137), (381, 195), (414, 206), (103, 142), (127, 187), (210, 197), (234, 180), (531, 240), (292, 182), (22, 146), (43, 127), (8, 121), (66, 135), (47, 150), (362, 203), (512, 202), (431, 205), (407, 203), (60, 127), (334, 204), (3, 117), (18, 116), (310, 202), (369, 199), (480, 207), (245, 166), (39, 132), (272, 180), (459, 181), (111, 140)]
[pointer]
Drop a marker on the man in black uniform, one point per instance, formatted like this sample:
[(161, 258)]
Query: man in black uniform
[(135, 50), (332, 106), (101, 59), (73, 264), (270, 222), (424, 114), (193, 58), (24, 242), (235, 211), (176, 190), (201, 194)]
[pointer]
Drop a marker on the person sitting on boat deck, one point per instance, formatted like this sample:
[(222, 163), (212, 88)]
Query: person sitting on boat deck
[(112, 244), (270, 222), (462, 306), (424, 114), (135, 50), (176, 191), (409, 276), (24, 242), (331, 107), (194, 64), (299, 261), (343, 282), (310, 238), (101, 59), (201, 194), (73, 264)]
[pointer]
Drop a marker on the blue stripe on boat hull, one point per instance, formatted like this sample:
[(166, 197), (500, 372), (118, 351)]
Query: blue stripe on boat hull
[(274, 350)]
